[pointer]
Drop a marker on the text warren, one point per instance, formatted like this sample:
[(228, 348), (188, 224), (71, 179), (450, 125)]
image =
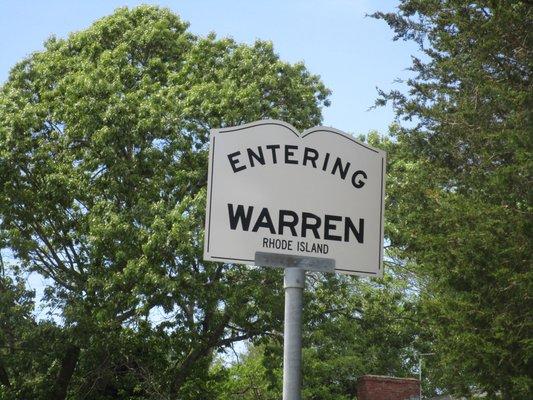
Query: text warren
[(300, 224)]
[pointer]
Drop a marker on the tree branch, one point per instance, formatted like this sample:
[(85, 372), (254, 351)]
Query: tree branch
[(68, 364), (4, 378)]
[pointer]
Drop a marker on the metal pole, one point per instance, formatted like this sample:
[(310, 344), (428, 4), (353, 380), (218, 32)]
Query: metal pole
[(292, 333), (420, 375)]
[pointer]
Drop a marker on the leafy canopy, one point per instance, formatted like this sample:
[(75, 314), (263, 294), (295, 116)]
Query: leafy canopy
[(459, 188), (103, 162)]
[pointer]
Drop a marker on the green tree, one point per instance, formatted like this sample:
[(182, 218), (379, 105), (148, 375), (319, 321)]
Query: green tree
[(351, 327), (28, 348), (247, 379), (459, 188), (355, 327), (103, 162)]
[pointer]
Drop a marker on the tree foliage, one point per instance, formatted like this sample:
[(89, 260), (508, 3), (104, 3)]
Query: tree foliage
[(103, 161), (351, 327), (460, 188), (103, 141), (356, 327)]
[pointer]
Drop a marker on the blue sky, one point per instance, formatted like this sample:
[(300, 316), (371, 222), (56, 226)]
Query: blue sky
[(352, 53)]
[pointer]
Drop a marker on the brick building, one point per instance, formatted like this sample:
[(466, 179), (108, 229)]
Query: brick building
[(375, 387)]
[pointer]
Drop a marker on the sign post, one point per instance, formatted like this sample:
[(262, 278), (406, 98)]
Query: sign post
[(293, 284), (302, 201)]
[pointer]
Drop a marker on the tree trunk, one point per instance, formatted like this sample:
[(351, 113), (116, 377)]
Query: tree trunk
[(4, 378), (68, 364)]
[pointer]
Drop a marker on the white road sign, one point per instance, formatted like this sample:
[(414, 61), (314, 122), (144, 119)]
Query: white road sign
[(318, 193)]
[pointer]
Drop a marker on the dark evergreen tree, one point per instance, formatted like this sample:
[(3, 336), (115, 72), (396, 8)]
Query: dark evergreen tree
[(459, 188)]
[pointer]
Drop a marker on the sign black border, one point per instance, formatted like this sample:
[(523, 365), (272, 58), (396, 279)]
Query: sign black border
[(305, 133)]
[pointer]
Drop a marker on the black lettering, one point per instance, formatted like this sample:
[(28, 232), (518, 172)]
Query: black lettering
[(233, 161), (257, 156), (329, 226), (289, 224), (290, 153), (359, 184), (264, 221), (273, 148), (235, 217), (350, 227), (307, 156), (325, 165), (338, 166), (306, 225)]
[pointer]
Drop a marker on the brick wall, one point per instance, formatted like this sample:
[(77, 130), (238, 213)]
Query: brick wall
[(374, 387)]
